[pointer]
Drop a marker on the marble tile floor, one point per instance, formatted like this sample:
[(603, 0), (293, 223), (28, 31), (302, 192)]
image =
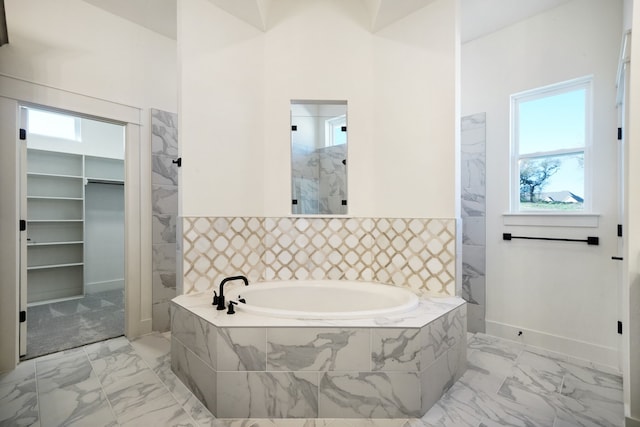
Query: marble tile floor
[(123, 383), (75, 322)]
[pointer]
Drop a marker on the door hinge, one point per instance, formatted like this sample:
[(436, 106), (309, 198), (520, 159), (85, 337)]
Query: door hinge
[(23, 134), (619, 230), (620, 327), (619, 134), (23, 316), (23, 225)]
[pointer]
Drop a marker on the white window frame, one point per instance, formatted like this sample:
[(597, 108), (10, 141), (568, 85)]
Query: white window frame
[(543, 92)]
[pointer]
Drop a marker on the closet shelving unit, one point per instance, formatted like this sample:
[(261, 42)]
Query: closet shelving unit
[(56, 220)]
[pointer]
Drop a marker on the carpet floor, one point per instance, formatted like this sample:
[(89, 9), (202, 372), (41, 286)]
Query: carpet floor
[(73, 323)]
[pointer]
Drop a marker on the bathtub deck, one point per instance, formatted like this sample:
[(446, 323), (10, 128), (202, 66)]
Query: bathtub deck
[(429, 310), (245, 366)]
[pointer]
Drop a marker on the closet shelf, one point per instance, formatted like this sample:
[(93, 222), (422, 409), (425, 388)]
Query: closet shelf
[(53, 175), (54, 198), (51, 301), (44, 267), (105, 181), (78, 242), (55, 220)]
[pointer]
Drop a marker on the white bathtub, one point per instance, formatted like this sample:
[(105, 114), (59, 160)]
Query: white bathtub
[(325, 299)]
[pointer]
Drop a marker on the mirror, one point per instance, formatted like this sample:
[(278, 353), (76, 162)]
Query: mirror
[(319, 157)]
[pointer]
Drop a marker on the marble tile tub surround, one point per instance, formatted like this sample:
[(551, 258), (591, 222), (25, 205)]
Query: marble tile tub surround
[(418, 253), (247, 366), (164, 191), (473, 201)]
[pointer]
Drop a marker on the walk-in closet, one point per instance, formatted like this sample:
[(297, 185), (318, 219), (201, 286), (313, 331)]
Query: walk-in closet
[(73, 256)]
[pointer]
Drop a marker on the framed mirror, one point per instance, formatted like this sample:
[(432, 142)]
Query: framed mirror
[(318, 157)]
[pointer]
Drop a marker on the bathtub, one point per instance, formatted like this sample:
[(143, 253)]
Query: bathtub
[(313, 349), (326, 299)]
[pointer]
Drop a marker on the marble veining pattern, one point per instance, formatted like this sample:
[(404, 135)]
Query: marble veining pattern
[(18, 396), (369, 395), (369, 371), (473, 203), (439, 336), (241, 349), (194, 373), (319, 179), (591, 398), (311, 349), (164, 195), (396, 349), (268, 394), (333, 179), (164, 133)]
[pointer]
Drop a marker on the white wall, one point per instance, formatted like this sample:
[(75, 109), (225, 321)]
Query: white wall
[(563, 296), (104, 237), (72, 45), (414, 116), (220, 112), (236, 85)]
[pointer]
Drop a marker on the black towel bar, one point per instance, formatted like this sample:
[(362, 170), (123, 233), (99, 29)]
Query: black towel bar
[(590, 240)]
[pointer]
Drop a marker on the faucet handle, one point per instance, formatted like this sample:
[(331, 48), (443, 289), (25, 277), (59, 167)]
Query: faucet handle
[(215, 298), (230, 309)]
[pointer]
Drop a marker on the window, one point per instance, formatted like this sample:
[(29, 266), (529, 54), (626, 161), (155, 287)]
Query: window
[(335, 131), (54, 125), (550, 142)]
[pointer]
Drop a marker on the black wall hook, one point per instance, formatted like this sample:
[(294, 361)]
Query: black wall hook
[(177, 161)]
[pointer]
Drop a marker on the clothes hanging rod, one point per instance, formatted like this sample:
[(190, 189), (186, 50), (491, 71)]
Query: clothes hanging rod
[(590, 240), (104, 181)]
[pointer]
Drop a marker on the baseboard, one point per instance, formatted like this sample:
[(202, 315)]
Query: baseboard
[(599, 356), (631, 422), (108, 285)]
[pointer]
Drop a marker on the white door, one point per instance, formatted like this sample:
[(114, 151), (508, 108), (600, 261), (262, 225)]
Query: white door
[(622, 96), (22, 170)]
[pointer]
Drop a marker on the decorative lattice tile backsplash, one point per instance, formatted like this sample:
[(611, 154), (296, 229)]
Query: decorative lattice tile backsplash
[(418, 253)]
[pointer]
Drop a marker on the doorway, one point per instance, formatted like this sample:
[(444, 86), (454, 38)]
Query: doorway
[(72, 251)]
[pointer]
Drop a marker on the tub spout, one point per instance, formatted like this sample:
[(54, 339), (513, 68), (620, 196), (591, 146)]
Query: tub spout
[(221, 304)]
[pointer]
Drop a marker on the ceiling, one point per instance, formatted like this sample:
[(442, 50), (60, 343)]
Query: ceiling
[(481, 17), (477, 18), (154, 15)]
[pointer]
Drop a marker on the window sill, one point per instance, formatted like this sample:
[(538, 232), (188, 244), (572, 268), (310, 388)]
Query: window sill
[(543, 219)]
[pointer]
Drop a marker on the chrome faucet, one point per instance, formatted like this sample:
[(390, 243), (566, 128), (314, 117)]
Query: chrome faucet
[(219, 299)]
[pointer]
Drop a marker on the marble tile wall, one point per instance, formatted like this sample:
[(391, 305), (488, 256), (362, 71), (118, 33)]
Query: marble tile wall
[(305, 174), (473, 170), (417, 252), (325, 372), (333, 179), (164, 193), (319, 179)]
